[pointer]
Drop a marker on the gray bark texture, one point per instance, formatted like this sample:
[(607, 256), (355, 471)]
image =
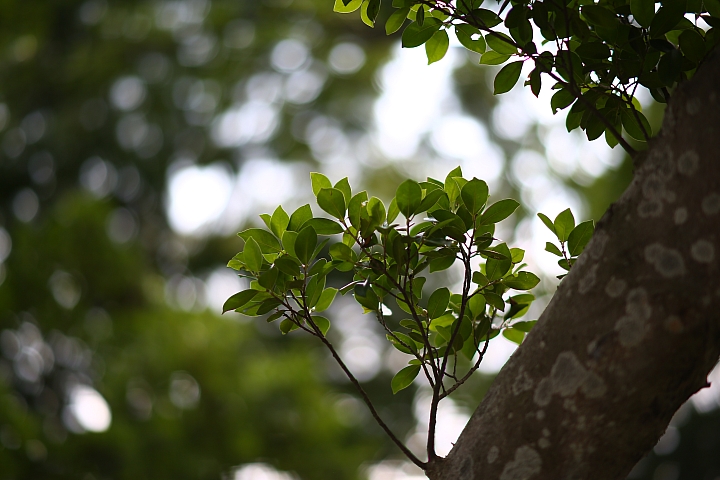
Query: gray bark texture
[(632, 331)]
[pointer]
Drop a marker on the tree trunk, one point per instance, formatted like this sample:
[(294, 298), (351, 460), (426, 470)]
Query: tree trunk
[(632, 331)]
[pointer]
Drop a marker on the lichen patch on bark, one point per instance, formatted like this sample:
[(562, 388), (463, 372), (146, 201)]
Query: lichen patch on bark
[(526, 464)]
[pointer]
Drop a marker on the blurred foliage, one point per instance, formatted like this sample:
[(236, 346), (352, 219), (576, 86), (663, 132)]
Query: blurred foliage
[(98, 100)]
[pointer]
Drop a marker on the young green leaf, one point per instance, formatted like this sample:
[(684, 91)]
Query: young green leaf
[(524, 326), (579, 237), (415, 35), (326, 299), (332, 201), (552, 248), (288, 265), (393, 211), (493, 58), (369, 12), (253, 255), (499, 211), (404, 378), (299, 217), (376, 209), (355, 207), (408, 197), (319, 181), (564, 224), (476, 304), (324, 226), (506, 78), (501, 43), (437, 46), (239, 300), (548, 223), (305, 244), (465, 34), (266, 240), (496, 269), (279, 221), (474, 194), (349, 7), (515, 336), (522, 281), (438, 302), (322, 323), (396, 20), (344, 186)]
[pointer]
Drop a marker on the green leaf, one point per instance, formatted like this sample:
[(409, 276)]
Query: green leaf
[(507, 77), (631, 125), (431, 198), (344, 186), (713, 7), (561, 99), (515, 336), (253, 255), (480, 279), (369, 12), (564, 224), (486, 17), (393, 211), (552, 248), (474, 194), (322, 323), (340, 251), (305, 244), (501, 43), (299, 217), (266, 240), (376, 210), (319, 181), (326, 299), (438, 302), (266, 218), (666, 18), (692, 45), (239, 300), (548, 223), (579, 237), (442, 262), (465, 34), (355, 207), (415, 35), (524, 326), (404, 378), (408, 197), (476, 304), (279, 222), (437, 46), (522, 281), (495, 300), (496, 269), (493, 58), (288, 241), (324, 226), (499, 211), (396, 20), (643, 11), (402, 342), (352, 5), (287, 325), (288, 265), (332, 201), (600, 16)]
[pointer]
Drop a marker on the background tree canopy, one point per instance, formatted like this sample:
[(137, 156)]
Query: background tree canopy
[(136, 137)]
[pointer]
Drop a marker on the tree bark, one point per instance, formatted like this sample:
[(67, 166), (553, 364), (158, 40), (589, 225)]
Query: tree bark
[(632, 331)]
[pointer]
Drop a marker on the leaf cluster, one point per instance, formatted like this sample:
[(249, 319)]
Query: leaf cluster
[(390, 249), (595, 55), (572, 239)]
